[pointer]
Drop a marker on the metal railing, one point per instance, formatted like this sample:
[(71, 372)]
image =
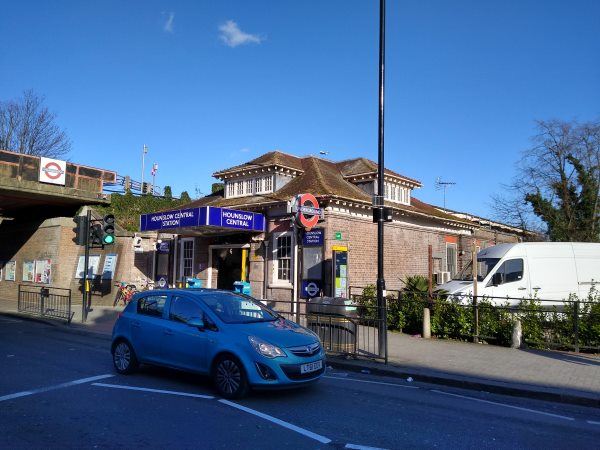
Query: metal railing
[(350, 329), (571, 324), (45, 301)]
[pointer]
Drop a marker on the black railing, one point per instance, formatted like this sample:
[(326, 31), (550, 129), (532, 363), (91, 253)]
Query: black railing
[(348, 329), (571, 324), (45, 301)]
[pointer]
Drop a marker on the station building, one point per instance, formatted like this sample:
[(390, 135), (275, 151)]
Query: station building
[(247, 231)]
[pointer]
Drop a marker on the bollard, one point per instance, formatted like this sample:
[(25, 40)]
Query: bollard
[(517, 334), (426, 323)]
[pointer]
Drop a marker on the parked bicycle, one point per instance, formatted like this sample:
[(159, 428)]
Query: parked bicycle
[(124, 293)]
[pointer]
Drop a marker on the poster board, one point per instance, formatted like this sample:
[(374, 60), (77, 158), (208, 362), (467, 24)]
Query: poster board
[(43, 271), (110, 266), (28, 271), (93, 266), (10, 271)]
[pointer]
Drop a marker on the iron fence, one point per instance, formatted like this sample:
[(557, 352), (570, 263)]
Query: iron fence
[(571, 324), (347, 329), (45, 301)]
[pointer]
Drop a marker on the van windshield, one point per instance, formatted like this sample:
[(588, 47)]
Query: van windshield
[(484, 266)]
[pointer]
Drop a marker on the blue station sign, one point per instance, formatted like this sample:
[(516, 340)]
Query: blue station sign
[(205, 216)]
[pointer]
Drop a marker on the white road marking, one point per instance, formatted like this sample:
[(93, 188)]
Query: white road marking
[(371, 382), (593, 422), (535, 411), (156, 391), (362, 447), (289, 426), (56, 386)]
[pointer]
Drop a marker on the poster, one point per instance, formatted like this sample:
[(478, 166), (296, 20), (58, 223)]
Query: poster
[(93, 266), (43, 271), (110, 266), (10, 270), (28, 270)]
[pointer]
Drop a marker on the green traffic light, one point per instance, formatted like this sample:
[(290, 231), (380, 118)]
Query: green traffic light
[(109, 239)]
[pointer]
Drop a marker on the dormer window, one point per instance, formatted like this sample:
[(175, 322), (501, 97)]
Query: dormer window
[(249, 186), (396, 193)]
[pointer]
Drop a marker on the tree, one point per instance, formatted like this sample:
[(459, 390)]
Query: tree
[(28, 126), (168, 193), (216, 187), (185, 197), (558, 183)]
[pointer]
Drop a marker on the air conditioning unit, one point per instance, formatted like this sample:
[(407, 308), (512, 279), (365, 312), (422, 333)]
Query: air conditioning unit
[(442, 277)]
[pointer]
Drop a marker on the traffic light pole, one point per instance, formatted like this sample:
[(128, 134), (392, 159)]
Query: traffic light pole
[(86, 263), (381, 305)]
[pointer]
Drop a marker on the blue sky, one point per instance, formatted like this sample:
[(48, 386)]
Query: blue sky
[(207, 85)]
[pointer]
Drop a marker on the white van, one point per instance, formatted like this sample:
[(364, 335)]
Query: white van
[(547, 270)]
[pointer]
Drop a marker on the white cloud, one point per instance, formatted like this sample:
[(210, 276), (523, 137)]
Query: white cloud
[(245, 150), (232, 36), (168, 26)]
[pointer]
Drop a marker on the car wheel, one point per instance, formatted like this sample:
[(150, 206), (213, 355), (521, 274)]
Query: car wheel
[(124, 358), (230, 378)]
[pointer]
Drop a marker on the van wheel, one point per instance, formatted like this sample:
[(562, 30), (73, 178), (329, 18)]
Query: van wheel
[(230, 378), (124, 358)]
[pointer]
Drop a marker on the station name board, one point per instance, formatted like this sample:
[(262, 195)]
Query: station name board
[(205, 216)]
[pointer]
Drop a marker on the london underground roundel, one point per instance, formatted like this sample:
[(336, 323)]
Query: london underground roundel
[(308, 211)]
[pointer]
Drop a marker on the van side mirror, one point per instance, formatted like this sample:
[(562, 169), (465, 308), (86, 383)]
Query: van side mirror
[(196, 322), (497, 279)]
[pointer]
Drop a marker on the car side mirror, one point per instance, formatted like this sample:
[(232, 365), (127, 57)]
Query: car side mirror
[(196, 322), (497, 279)]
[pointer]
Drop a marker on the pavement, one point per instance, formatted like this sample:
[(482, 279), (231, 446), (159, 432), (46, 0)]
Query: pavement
[(564, 377), (58, 390)]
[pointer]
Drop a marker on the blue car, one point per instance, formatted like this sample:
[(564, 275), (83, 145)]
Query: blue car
[(232, 337)]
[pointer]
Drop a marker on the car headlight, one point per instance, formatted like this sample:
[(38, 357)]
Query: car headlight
[(266, 349)]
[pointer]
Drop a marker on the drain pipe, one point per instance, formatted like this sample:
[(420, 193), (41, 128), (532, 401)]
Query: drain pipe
[(265, 268)]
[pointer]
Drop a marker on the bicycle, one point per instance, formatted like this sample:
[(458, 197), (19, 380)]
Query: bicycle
[(124, 293)]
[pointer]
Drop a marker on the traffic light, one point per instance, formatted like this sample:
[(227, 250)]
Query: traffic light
[(81, 228), (108, 229), (95, 235), (146, 188)]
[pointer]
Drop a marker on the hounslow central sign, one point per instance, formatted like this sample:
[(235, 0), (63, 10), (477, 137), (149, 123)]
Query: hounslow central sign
[(205, 216)]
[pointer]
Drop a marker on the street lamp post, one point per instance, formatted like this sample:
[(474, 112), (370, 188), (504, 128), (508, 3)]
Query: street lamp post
[(381, 306), (144, 151)]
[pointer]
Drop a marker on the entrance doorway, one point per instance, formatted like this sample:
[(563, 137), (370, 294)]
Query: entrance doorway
[(229, 263)]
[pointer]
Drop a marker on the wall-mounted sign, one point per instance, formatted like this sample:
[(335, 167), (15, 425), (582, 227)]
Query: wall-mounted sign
[(162, 247), (307, 211), (10, 271), (209, 216), (43, 271), (52, 171), (340, 271), (93, 266), (310, 288), (313, 238), (28, 271), (110, 266), (338, 235)]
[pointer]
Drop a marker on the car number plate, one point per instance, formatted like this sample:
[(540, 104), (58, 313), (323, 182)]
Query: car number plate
[(311, 367)]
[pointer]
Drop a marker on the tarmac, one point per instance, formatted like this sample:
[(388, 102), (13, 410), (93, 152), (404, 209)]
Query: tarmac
[(565, 377)]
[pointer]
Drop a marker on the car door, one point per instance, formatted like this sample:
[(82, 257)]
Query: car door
[(508, 283), (186, 346), (147, 327)]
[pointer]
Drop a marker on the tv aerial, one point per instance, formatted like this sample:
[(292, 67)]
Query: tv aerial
[(441, 185)]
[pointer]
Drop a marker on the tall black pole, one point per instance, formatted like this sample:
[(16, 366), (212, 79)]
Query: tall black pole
[(86, 262), (381, 306)]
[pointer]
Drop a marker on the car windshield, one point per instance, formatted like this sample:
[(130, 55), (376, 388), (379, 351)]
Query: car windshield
[(484, 266), (235, 308)]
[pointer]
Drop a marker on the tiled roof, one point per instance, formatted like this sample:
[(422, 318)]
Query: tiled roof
[(359, 166), (324, 179), (274, 158)]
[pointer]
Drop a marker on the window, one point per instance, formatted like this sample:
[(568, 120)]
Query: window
[(249, 186), (234, 308), (510, 271), (283, 257), (239, 187), (451, 262), (152, 305), (183, 309), (187, 257), (257, 185), (230, 189), (268, 184)]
